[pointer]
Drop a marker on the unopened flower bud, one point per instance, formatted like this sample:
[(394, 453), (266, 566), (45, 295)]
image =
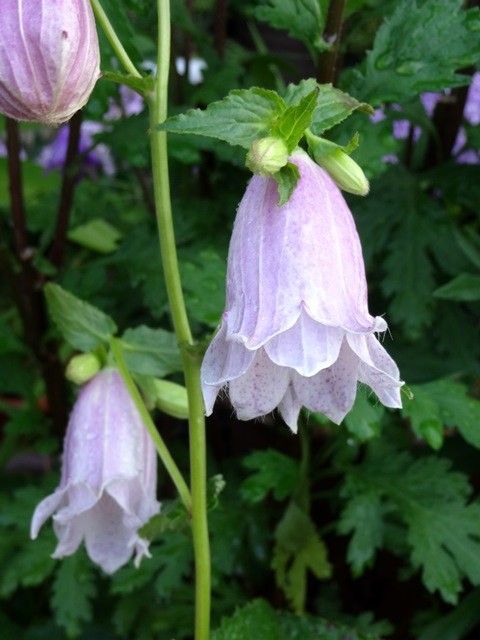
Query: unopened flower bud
[(267, 156), (348, 175), (49, 59), (82, 368), (171, 398)]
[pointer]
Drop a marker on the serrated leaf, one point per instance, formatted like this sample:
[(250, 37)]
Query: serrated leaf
[(302, 19), (463, 288), (286, 179), (97, 235), (273, 471), (203, 277), (151, 352), (409, 271), (254, 621), (298, 550), (363, 516), (82, 325), (332, 106), (239, 119), (432, 503), (449, 400), (420, 48), (291, 125), (72, 593), (365, 417)]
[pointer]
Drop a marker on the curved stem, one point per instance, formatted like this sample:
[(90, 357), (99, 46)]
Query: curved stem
[(160, 446), (198, 469), (113, 39)]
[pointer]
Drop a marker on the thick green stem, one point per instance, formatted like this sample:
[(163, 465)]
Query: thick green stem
[(198, 471), (157, 104), (113, 39), (161, 447)]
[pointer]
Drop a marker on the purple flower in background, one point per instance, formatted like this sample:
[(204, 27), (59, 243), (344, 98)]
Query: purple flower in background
[(130, 104), (49, 58), (472, 106), (296, 330), (96, 156), (109, 475)]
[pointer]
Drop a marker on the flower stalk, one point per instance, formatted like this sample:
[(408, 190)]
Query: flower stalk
[(158, 104)]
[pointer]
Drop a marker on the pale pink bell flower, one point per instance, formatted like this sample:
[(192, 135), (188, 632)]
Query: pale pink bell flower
[(109, 474), (296, 330), (49, 58)]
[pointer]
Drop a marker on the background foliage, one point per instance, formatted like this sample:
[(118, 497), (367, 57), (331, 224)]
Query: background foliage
[(370, 529)]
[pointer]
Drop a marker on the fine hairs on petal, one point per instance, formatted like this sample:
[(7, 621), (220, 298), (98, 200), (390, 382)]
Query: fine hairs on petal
[(296, 329), (108, 486)]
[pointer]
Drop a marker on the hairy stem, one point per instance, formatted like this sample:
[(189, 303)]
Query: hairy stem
[(69, 177), (113, 39), (162, 450), (158, 105), (327, 68)]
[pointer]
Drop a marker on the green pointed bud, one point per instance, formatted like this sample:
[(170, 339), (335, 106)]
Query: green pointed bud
[(342, 168), (267, 156), (171, 398), (82, 368)]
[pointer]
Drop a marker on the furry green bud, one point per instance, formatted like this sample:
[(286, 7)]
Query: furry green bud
[(82, 368), (171, 398), (348, 175), (267, 156)]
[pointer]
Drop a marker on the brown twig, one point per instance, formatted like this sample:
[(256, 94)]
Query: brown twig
[(327, 67), (26, 283), (15, 185), (69, 180), (220, 26), (447, 120)]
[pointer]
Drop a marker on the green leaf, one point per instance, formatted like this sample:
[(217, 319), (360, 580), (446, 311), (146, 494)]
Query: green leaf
[(72, 593), (239, 119), (449, 403), (363, 515), (151, 352), (273, 471), (203, 277), (409, 270), (439, 525), (286, 179), (141, 85), (365, 417), (463, 288), (332, 106), (425, 417), (291, 125), (420, 48), (456, 624), (82, 325), (28, 566), (254, 621), (257, 620), (298, 549), (97, 235), (302, 19)]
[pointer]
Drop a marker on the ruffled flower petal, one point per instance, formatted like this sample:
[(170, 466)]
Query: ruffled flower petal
[(260, 389)]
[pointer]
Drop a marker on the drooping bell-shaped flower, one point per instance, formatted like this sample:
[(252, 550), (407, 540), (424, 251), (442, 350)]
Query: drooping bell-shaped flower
[(108, 482), (49, 58), (296, 330)]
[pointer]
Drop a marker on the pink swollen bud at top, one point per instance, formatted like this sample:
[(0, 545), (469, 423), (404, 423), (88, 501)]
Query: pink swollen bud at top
[(109, 476), (49, 58), (296, 330)]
